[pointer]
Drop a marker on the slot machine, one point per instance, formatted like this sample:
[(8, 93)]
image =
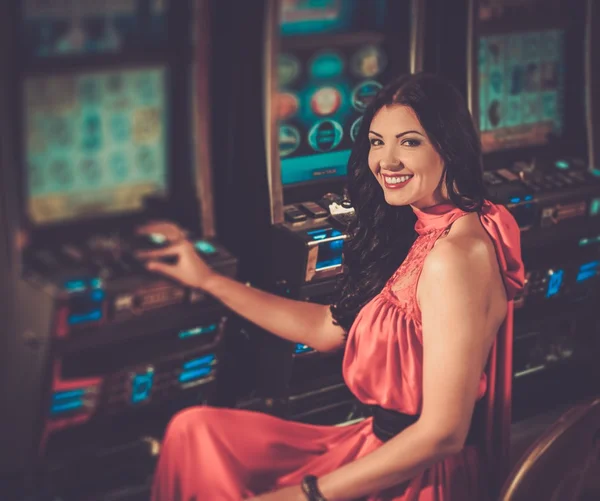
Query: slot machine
[(529, 89), (323, 61), (106, 128)]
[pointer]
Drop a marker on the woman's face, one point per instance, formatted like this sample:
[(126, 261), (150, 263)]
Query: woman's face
[(403, 160)]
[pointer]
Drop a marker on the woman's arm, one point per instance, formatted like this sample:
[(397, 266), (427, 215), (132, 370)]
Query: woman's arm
[(463, 305), (297, 321)]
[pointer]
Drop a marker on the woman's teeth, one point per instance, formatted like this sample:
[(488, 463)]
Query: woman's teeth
[(396, 179)]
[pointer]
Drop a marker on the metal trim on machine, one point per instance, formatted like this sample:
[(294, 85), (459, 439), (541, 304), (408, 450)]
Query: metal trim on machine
[(270, 118), (472, 39), (417, 35), (200, 99), (588, 82)]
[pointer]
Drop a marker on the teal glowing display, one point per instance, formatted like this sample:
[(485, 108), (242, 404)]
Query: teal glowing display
[(95, 143), (521, 86), (325, 87)]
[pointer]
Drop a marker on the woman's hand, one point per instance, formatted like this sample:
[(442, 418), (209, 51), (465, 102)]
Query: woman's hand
[(189, 268), (293, 493)]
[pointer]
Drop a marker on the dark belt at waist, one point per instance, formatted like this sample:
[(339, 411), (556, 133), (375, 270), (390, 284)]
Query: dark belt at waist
[(387, 423)]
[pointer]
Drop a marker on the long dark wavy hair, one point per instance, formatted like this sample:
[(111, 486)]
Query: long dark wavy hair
[(382, 234)]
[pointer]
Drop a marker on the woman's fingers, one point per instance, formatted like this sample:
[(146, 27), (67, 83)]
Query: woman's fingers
[(172, 250)]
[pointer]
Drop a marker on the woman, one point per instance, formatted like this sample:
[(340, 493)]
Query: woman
[(425, 321)]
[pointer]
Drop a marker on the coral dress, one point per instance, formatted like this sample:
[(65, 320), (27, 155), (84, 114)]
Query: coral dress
[(226, 454)]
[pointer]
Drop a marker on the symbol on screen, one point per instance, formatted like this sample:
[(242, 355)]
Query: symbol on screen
[(90, 91), (118, 165), (287, 105), (114, 83), (289, 140), (364, 93), (61, 172), (59, 131), (146, 89), (90, 170), (119, 127), (326, 65), (325, 135), (145, 160), (288, 69), (368, 62), (325, 101), (91, 132), (355, 128)]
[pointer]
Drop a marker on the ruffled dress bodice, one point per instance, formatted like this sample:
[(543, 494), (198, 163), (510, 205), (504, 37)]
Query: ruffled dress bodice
[(388, 331)]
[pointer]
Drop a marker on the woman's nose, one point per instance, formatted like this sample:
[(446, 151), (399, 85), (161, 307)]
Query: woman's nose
[(390, 160)]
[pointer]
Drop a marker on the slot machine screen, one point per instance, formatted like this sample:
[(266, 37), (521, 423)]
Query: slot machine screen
[(69, 27), (521, 71), (521, 88), (326, 80), (95, 143)]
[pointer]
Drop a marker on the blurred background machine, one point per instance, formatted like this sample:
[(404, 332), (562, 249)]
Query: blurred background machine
[(322, 61), (108, 106), (106, 124), (530, 89)]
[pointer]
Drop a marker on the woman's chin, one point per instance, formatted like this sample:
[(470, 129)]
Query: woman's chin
[(396, 199)]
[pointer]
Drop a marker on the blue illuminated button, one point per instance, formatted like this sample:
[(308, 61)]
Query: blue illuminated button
[(289, 140), (141, 385), (561, 164), (288, 69), (554, 283), (588, 270), (302, 348), (67, 401), (205, 247), (364, 93), (97, 295), (325, 101), (196, 331), (326, 65), (355, 128), (82, 318), (325, 135), (75, 285), (368, 62)]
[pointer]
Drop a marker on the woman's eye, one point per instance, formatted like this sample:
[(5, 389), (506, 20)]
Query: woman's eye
[(411, 142), (375, 142)]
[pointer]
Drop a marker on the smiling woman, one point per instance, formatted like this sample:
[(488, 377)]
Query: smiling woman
[(425, 312)]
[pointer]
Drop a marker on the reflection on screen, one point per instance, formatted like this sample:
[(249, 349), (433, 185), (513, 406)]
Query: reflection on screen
[(520, 89), (95, 143), (325, 87)]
